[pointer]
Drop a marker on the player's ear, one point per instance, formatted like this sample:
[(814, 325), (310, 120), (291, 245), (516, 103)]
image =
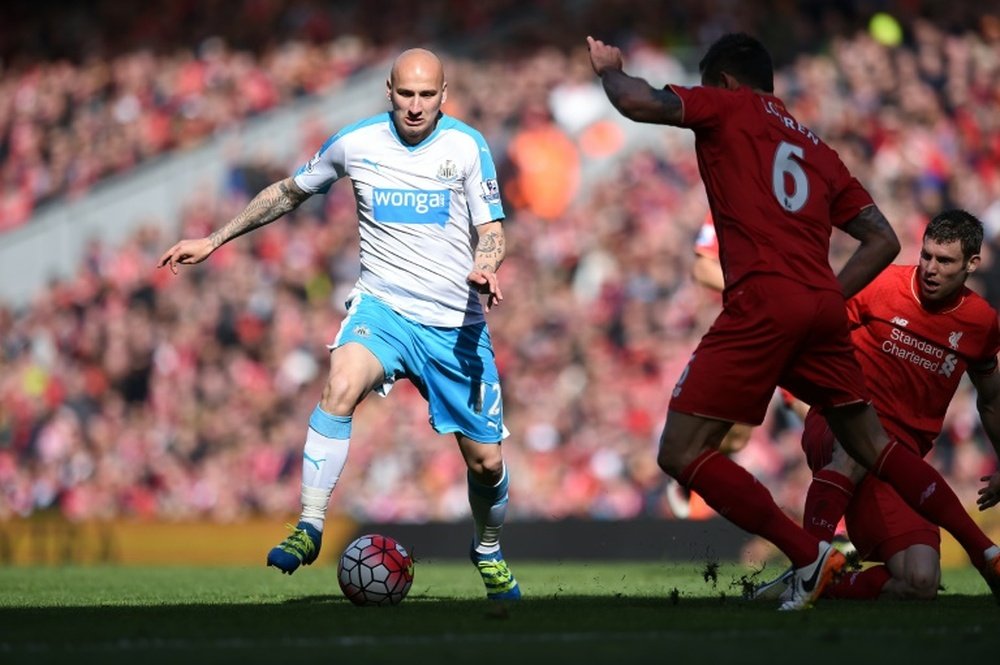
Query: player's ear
[(729, 81), (388, 89), (973, 263), (444, 92)]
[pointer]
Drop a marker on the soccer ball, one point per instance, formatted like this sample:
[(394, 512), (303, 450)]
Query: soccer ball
[(375, 570)]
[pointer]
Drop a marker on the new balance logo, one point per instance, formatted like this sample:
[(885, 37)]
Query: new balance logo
[(900, 321)]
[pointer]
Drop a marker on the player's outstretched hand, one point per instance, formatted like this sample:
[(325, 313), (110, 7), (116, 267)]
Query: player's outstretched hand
[(603, 56), (989, 496), (486, 283), (186, 252)]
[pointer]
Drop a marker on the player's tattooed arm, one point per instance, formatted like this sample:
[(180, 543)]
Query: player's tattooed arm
[(633, 97), (491, 248), (879, 246), (271, 203), (637, 100), (486, 260)]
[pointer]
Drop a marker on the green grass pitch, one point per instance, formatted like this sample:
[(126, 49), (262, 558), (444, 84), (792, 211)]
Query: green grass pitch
[(573, 612)]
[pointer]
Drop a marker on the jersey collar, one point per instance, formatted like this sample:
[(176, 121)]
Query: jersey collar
[(430, 137)]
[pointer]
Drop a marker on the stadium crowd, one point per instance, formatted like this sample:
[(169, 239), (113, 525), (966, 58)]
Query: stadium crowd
[(126, 391)]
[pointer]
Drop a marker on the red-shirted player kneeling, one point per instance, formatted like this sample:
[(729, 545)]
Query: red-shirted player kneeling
[(917, 329)]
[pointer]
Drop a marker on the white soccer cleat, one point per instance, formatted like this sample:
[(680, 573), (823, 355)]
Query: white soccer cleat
[(776, 589), (807, 583), (679, 499)]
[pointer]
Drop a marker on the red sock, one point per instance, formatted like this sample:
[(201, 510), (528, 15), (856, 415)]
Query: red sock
[(736, 495), (826, 503), (923, 488), (859, 585)]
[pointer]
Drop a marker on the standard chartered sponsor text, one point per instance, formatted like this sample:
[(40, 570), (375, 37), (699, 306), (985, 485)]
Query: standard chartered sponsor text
[(918, 351)]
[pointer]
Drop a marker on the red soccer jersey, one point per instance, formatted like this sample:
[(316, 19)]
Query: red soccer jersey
[(774, 188), (915, 358)]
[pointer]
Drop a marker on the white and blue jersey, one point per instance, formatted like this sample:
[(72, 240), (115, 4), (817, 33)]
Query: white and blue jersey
[(417, 206), (411, 306)]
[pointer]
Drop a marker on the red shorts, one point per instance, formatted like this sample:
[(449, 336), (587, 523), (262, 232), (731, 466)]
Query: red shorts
[(772, 331), (879, 523)]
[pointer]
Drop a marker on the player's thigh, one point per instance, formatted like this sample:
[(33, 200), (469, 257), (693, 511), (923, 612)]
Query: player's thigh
[(459, 376), (354, 371), (369, 351)]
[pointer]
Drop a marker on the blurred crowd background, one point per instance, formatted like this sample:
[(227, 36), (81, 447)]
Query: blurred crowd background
[(127, 391)]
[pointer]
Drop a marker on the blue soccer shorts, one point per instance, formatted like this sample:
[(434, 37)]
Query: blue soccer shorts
[(453, 368)]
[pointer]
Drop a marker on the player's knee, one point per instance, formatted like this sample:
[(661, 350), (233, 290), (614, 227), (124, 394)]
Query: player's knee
[(671, 456), (924, 584), (341, 394), (678, 449), (488, 467)]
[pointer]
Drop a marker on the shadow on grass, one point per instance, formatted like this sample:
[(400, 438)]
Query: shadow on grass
[(331, 614), (573, 628)]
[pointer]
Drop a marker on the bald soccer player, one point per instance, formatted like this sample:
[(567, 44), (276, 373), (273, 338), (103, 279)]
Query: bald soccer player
[(429, 217)]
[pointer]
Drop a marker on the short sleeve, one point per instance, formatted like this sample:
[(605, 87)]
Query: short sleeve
[(849, 197), (482, 191), (704, 107), (987, 361), (325, 168)]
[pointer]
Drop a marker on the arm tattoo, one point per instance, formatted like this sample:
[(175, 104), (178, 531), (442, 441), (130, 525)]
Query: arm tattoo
[(271, 203), (637, 100), (490, 251), (869, 222)]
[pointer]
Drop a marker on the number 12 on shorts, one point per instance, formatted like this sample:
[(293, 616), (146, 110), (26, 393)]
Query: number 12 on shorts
[(489, 394)]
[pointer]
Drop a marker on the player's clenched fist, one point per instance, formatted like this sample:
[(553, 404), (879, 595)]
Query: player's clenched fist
[(603, 56), (186, 252)]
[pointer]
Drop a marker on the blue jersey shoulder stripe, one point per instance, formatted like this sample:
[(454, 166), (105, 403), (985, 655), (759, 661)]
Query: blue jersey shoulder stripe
[(489, 169), (353, 127), (361, 124)]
